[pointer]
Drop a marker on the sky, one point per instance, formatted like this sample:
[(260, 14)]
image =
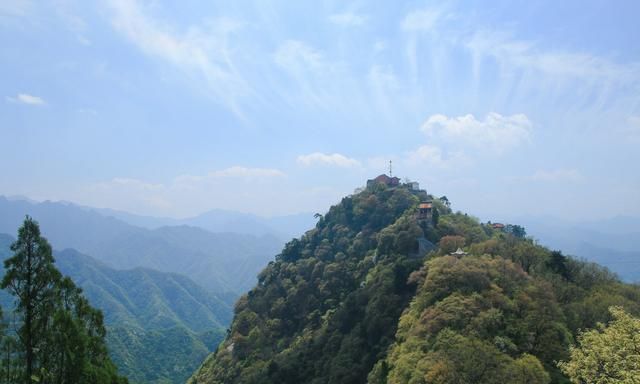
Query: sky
[(163, 108)]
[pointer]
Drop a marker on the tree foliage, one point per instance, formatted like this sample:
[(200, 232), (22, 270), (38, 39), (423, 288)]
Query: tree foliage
[(352, 301), (59, 336), (608, 354)]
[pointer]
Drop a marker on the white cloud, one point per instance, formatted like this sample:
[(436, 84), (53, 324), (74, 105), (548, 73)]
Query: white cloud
[(379, 46), (632, 128), (202, 52), (294, 56), (136, 184), (244, 172), (15, 8), (239, 188), (383, 78), (432, 156), (557, 175), (348, 19), (421, 20), (25, 98), (314, 80), (334, 159), (236, 172), (526, 55), (495, 133)]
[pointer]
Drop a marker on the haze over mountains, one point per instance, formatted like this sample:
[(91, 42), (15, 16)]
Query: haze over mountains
[(225, 263), (166, 287), (220, 220), (614, 242), (357, 299), (160, 325)]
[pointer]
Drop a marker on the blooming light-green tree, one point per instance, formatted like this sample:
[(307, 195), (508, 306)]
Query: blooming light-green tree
[(608, 354)]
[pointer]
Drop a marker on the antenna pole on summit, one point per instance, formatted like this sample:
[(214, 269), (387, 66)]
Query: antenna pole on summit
[(390, 169)]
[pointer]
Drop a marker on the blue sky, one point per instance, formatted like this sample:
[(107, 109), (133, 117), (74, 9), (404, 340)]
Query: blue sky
[(509, 108)]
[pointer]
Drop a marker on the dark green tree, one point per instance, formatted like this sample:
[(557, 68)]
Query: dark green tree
[(31, 277), (435, 217), (516, 230), (60, 338)]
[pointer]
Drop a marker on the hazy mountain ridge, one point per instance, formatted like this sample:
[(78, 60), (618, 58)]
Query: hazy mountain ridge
[(143, 297), (160, 325), (220, 220), (614, 242), (224, 263)]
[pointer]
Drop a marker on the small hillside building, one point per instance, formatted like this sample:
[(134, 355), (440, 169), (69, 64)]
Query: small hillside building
[(459, 253), (425, 210), (384, 179), (498, 226)]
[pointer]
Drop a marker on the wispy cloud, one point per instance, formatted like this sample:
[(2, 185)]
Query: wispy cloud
[(205, 53), (348, 19), (235, 172), (238, 187), (15, 8), (334, 159), (245, 172), (496, 133), (527, 55), (432, 156), (421, 20), (557, 175), (632, 128), (313, 79), (295, 56), (25, 98)]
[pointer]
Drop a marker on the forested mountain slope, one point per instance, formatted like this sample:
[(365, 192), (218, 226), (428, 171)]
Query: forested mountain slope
[(355, 301), (144, 297), (160, 325)]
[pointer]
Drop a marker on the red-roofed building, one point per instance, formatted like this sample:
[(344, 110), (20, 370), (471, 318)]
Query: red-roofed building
[(384, 179), (425, 210)]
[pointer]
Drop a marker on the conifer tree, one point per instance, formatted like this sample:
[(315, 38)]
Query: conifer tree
[(60, 338), (31, 277)]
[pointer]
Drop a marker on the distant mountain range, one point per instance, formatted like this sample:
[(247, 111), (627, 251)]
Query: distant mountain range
[(160, 325), (219, 220), (225, 263), (614, 242), (165, 286), (144, 298)]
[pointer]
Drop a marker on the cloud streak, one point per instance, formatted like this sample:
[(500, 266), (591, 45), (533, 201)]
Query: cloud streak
[(421, 20), (334, 160), (25, 98), (432, 156), (205, 52), (526, 55), (496, 133), (348, 19), (238, 187), (557, 175)]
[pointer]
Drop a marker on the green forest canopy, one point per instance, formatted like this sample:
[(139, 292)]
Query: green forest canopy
[(354, 301)]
